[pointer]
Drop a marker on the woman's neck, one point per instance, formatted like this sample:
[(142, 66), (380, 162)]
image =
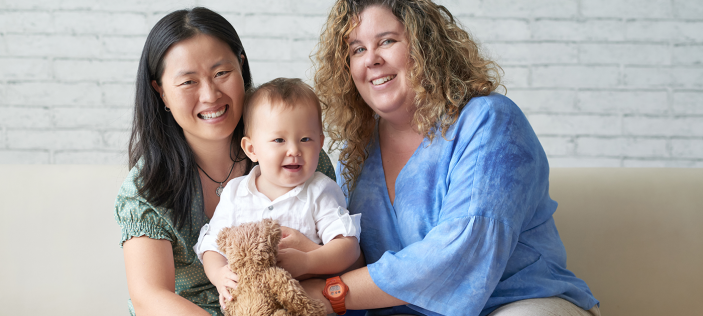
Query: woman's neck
[(398, 125), (213, 156)]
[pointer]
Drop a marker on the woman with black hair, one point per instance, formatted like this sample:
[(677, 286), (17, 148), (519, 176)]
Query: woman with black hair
[(184, 147)]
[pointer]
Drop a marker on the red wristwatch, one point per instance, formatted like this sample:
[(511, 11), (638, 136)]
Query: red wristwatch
[(335, 291)]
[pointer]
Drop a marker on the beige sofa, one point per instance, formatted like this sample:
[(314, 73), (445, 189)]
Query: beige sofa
[(634, 235)]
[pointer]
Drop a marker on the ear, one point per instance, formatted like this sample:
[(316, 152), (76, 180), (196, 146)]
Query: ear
[(271, 231), (157, 88), (242, 58), (322, 140), (248, 148)]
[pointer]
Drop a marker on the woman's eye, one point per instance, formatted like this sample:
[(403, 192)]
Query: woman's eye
[(221, 73), (358, 50), (387, 41), (278, 140), (189, 82), (305, 139)]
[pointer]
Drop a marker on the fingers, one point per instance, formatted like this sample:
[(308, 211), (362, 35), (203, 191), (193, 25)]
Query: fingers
[(229, 284), (222, 301), (282, 244), (225, 296), (231, 276), (286, 231)]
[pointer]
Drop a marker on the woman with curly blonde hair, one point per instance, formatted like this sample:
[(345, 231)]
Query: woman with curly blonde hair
[(449, 176)]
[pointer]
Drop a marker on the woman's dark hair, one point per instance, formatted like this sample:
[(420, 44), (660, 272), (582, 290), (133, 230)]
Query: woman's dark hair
[(168, 174)]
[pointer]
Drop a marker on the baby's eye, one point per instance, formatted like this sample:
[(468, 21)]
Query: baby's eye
[(305, 139), (279, 140)]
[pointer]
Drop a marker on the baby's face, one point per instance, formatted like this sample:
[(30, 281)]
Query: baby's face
[(286, 142)]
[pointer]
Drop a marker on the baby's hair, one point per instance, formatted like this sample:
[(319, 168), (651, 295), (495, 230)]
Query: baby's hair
[(286, 92)]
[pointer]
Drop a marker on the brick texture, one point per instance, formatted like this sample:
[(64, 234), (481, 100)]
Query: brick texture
[(605, 83)]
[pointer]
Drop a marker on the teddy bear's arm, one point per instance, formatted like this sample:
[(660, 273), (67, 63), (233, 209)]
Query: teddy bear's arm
[(291, 295)]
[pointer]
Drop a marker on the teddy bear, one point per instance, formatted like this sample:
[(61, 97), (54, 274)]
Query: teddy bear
[(263, 288)]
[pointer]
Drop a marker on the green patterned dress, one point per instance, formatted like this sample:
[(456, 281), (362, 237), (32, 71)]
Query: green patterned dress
[(137, 217)]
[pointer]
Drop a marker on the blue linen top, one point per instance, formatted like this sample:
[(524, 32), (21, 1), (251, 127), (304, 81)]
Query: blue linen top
[(471, 227)]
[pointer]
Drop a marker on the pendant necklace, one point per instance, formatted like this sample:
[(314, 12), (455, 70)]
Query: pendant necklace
[(219, 189)]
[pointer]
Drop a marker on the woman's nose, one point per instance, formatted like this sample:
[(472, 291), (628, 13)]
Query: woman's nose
[(209, 92), (373, 58)]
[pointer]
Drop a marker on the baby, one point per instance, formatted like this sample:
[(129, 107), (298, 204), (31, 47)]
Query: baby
[(283, 133)]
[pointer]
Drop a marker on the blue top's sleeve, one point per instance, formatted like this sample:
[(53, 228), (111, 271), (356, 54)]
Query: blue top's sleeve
[(492, 174)]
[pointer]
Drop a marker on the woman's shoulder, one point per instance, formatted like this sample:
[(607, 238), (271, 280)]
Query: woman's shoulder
[(131, 184), (488, 111), (135, 214), (492, 104)]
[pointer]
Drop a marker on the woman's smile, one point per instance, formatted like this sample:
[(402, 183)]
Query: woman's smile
[(209, 115), (382, 80)]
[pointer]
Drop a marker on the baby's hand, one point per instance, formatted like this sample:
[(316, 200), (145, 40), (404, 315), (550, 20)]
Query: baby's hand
[(291, 238), (294, 261), (226, 279), (223, 301)]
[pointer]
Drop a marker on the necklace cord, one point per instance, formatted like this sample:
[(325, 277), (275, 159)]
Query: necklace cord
[(213, 180), (230, 168)]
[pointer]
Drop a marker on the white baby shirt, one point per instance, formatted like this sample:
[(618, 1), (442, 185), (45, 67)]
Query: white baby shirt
[(316, 208)]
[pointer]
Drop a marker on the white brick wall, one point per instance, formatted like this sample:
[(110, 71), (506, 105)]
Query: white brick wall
[(614, 83)]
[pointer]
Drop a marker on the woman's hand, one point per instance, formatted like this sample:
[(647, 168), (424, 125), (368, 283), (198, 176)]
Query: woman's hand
[(294, 261), (291, 238)]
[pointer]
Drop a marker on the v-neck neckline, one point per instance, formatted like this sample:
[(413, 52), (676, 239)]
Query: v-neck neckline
[(387, 196)]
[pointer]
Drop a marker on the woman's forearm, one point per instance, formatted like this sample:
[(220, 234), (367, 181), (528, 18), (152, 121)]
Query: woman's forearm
[(163, 302), (363, 292), (151, 279)]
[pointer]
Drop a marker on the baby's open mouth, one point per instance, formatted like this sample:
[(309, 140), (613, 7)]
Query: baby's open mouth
[(292, 167), (212, 115)]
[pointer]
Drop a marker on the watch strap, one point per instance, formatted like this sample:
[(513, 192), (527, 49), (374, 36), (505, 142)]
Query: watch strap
[(338, 305)]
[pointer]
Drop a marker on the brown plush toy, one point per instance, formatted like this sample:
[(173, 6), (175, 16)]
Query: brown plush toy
[(263, 288)]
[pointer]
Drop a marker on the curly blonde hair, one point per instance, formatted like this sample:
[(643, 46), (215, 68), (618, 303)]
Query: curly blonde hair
[(446, 70)]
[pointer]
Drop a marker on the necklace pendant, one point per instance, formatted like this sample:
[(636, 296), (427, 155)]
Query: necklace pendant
[(219, 189)]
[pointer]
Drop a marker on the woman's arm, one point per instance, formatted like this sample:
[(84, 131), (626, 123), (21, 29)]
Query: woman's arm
[(151, 279), (363, 292)]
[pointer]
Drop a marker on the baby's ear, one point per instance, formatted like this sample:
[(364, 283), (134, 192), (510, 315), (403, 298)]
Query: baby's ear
[(248, 147)]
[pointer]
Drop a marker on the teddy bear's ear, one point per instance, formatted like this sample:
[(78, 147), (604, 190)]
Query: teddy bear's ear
[(272, 230)]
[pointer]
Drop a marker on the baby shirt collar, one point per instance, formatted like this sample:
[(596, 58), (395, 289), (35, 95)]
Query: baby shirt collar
[(248, 187)]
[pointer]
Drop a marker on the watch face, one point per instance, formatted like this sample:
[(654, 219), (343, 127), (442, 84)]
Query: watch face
[(335, 290)]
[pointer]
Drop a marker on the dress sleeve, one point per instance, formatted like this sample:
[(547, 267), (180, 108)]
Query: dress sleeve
[(330, 214), (324, 165), (496, 175), (136, 216)]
